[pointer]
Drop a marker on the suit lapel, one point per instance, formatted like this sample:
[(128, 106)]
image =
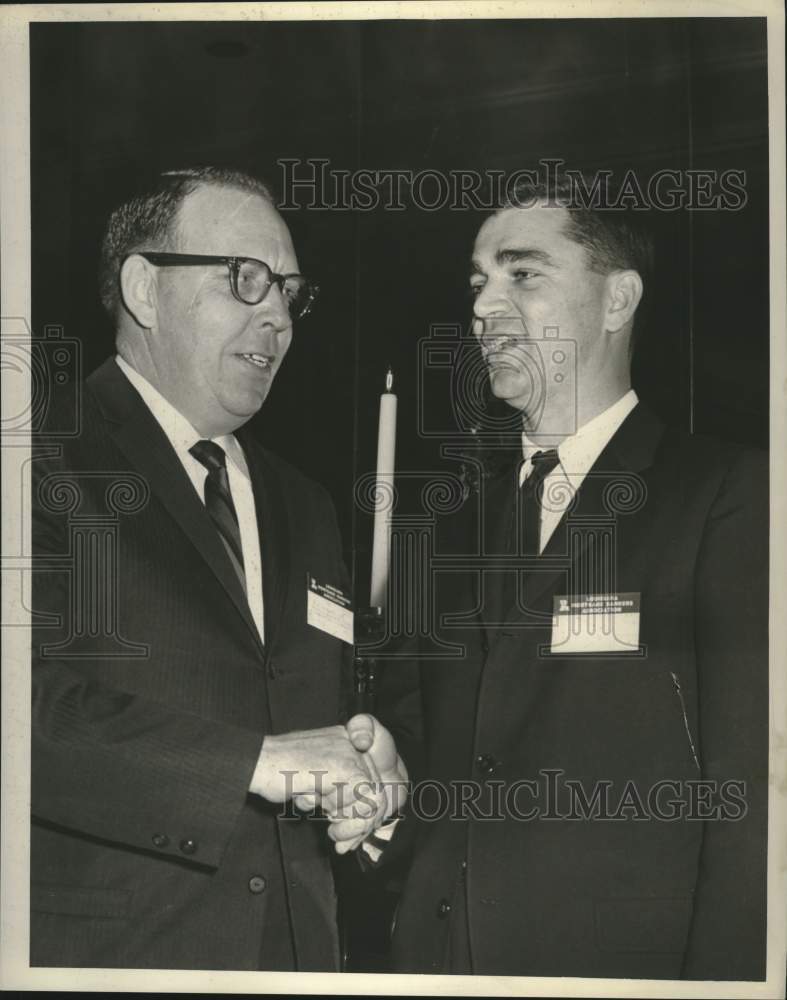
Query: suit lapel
[(629, 452), (498, 506), (139, 436), (567, 548), (274, 527)]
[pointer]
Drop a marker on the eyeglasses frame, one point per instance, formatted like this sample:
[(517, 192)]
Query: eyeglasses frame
[(166, 259)]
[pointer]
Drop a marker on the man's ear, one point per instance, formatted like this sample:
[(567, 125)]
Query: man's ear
[(624, 290), (138, 288)]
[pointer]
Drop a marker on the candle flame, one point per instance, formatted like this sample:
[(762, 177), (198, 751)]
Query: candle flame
[(389, 381)]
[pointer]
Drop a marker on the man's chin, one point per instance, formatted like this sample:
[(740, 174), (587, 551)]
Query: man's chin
[(240, 409), (249, 407), (508, 387)]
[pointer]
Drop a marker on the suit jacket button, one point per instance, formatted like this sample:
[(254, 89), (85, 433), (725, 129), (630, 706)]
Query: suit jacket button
[(160, 839), (257, 884), (486, 763), (443, 909), (188, 846)]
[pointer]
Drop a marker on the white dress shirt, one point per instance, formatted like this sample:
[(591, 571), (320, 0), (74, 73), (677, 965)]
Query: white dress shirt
[(576, 455), (183, 436)]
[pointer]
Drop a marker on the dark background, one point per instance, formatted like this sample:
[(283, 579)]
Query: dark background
[(110, 101)]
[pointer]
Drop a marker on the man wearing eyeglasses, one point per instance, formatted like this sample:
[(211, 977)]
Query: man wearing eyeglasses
[(201, 696)]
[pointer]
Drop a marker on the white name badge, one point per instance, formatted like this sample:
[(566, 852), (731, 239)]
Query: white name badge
[(595, 623), (329, 609)]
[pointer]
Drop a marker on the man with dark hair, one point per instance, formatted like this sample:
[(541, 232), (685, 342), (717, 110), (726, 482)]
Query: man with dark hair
[(182, 693), (597, 754), (615, 239)]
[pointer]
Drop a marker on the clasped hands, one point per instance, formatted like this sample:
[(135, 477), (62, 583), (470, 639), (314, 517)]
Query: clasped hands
[(352, 773)]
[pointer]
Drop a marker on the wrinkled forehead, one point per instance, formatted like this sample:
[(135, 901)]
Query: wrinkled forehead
[(227, 221)]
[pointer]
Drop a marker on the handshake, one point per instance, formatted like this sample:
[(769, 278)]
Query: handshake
[(352, 773)]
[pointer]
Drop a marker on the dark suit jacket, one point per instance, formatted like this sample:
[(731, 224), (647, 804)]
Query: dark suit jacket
[(151, 696), (634, 896)]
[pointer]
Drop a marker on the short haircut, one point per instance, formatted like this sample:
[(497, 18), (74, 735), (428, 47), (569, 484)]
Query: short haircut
[(615, 239), (147, 221)]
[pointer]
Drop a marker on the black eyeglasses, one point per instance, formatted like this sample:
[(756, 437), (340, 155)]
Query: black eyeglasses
[(250, 279)]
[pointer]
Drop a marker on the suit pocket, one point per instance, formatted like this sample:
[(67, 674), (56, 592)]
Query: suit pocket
[(80, 901), (653, 925)]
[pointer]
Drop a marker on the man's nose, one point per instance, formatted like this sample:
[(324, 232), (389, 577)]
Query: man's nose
[(491, 301), (273, 311)]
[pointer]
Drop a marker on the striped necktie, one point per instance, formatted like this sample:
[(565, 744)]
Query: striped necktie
[(218, 501)]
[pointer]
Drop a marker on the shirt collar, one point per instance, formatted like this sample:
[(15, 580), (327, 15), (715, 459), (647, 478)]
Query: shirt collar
[(180, 432), (579, 451)]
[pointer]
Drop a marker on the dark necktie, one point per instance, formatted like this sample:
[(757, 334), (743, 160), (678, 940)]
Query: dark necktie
[(525, 524), (218, 501), (529, 501)]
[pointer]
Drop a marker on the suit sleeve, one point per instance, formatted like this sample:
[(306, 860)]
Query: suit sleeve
[(113, 765), (727, 939), (398, 707)]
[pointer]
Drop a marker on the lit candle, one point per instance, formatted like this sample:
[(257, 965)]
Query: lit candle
[(386, 450)]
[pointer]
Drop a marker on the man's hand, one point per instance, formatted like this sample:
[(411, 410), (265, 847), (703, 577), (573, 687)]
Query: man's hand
[(372, 738), (315, 767), (353, 774)]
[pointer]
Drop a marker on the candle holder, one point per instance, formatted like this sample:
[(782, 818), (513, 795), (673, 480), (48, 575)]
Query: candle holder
[(369, 631)]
